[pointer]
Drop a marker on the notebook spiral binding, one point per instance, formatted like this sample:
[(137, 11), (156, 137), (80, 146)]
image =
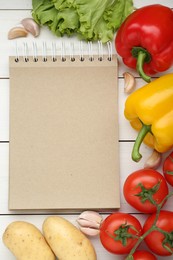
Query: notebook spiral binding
[(63, 55)]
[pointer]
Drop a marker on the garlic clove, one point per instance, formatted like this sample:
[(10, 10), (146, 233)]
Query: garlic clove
[(129, 82), (31, 26), (154, 160), (89, 231), (17, 32), (89, 222), (91, 216)]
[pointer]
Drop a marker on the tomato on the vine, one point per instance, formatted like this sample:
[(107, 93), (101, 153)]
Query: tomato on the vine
[(119, 233), (145, 188), (160, 241), (143, 255), (168, 168)]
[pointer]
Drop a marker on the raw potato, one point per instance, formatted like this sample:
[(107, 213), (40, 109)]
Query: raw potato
[(26, 242), (66, 240)]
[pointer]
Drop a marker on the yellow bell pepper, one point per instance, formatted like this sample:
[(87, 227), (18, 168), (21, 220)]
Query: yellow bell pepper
[(150, 111)]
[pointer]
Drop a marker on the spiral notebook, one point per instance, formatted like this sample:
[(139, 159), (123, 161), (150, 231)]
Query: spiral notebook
[(63, 133)]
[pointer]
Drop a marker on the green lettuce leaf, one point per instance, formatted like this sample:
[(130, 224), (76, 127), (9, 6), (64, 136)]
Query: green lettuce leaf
[(89, 19)]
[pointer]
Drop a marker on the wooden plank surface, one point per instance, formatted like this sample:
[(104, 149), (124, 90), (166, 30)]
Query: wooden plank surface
[(11, 13)]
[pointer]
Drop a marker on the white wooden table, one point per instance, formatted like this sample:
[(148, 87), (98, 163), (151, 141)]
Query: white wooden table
[(11, 13)]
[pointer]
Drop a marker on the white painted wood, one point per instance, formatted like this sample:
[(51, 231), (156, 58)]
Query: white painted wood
[(139, 4), (17, 4), (27, 4), (4, 110), (11, 13)]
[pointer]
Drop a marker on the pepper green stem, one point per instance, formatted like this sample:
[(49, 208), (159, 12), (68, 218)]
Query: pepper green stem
[(139, 66), (142, 57), (136, 156)]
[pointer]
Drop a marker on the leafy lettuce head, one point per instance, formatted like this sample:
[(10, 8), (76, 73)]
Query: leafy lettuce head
[(89, 19)]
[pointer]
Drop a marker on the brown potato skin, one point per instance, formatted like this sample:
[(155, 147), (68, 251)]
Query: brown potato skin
[(66, 240), (26, 241)]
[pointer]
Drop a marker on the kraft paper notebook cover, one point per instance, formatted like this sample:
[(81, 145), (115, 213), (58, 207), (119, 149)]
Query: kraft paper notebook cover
[(63, 134)]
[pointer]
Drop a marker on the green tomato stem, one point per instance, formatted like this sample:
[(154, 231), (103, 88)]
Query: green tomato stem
[(152, 228), (169, 172), (147, 194)]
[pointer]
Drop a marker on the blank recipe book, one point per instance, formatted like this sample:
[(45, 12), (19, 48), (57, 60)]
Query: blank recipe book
[(63, 133)]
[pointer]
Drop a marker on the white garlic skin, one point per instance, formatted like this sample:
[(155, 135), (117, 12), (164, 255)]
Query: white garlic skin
[(89, 222), (154, 160), (129, 82), (17, 32), (31, 26)]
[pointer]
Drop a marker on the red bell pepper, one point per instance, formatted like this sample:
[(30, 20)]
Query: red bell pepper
[(145, 40)]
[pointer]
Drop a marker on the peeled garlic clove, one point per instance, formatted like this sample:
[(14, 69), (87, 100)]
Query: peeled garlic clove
[(89, 222), (31, 26), (129, 82), (154, 161), (17, 32)]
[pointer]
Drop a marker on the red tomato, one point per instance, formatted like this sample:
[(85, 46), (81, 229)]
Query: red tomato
[(168, 169), (155, 240), (113, 230), (142, 183), (143, 255)]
